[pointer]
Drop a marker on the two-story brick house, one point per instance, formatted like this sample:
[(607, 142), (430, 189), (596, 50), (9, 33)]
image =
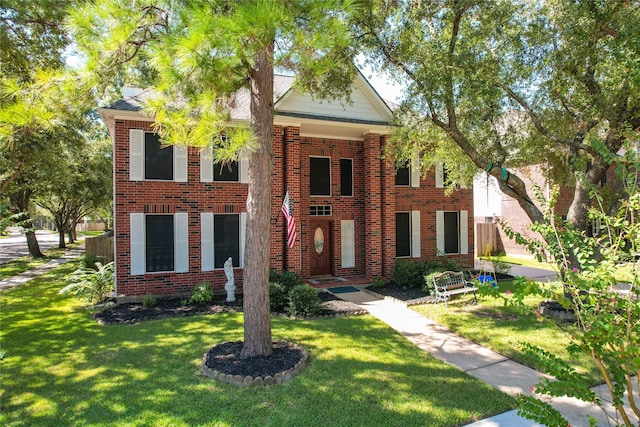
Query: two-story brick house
[(178, 216)]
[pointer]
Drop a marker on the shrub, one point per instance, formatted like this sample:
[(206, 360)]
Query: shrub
[(288, 279), (428, 286), (277, 297), (149, 301), (408, 273), (201, 293), (303, 301), (90, 261), (378, 282), (93, 285)]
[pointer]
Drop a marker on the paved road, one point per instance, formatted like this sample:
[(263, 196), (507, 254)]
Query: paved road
[(15, 246)]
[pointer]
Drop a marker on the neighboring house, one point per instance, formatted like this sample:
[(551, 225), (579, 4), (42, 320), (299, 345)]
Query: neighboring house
[(178, 216), (491, 206)]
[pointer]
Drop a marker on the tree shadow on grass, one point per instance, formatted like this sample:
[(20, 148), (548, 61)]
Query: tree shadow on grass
[(64, 369)]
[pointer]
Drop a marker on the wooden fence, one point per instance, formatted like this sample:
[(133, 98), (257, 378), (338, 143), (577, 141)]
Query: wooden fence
[(100, 247), (486, 238)]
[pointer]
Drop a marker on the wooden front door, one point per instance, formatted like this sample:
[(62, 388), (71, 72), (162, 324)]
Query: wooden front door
[(320, 248)]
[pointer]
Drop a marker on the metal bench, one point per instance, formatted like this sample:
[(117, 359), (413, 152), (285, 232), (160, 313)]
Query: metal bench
[(452, 283)]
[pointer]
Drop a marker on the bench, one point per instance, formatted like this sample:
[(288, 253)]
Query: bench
[(452, 283)]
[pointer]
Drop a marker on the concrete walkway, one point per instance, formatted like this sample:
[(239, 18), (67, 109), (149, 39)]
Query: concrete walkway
[(30, 274), (491, 367)]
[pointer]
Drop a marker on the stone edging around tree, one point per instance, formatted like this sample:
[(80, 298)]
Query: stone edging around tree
[(278, 378)]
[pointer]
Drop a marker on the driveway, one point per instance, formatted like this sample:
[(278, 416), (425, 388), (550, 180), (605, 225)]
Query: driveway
[(15, 246)]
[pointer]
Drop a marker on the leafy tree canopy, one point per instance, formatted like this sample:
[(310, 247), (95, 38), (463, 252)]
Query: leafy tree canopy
[(505, 83)]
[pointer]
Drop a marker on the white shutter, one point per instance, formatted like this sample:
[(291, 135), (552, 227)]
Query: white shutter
[(415, 170), (243, 236), (464, 235), (206, 164), (440, 231), (181, 242), (439, 175), (348, 247), (243, 167), (415, 234), (206, 241), (136, 155), (137, 245), (180, 163)]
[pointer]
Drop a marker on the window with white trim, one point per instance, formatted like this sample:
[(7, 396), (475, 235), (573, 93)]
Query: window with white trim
[(408, 234), (346, 177), (409, 174), (159, 243), (320, 176), (234, 171), (149, 159), (222, 236), (451, 232)]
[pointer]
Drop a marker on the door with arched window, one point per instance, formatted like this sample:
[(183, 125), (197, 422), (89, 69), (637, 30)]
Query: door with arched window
[(320, 248)]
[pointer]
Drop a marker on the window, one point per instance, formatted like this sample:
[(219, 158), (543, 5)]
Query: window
[(320, 176), (403, 235), (346, 177), (222, 236), (159, 243), (226, 172), (236, 171), (451, 232), (324, 210), (408, 234), (149, 159), (402, 175), (451, 228), (226, 239), (158, 158)]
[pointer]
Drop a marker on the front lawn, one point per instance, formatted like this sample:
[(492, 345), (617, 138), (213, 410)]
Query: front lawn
[(61, 368), (491, 324)]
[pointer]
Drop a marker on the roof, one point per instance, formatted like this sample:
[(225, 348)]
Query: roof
[(364, 113)]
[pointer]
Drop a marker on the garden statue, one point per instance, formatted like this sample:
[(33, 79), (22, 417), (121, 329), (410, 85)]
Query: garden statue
[(230, 286)]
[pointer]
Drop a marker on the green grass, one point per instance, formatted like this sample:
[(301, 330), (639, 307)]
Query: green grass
[(20, 265), (502, 329), (527, 262), (61, 368)]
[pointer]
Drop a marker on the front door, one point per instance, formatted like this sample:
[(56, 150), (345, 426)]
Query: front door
[(320, 248)]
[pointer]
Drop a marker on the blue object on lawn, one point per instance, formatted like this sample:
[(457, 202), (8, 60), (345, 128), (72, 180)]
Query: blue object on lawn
[(486, 278)]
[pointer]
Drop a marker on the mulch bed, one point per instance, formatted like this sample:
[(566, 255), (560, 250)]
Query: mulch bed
[(402, 293), (126, 313)]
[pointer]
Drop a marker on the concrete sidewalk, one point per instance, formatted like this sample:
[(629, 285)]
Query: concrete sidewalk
[(491, 367), (30, 274)]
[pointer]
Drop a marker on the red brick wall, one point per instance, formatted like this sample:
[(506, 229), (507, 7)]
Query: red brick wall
[(373, 206)]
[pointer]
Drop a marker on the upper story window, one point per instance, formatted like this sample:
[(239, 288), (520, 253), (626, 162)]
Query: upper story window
[(320, 176), (235, 171), (403, 175), (226, 172), (158, 158), (151, 160), (346, 177)]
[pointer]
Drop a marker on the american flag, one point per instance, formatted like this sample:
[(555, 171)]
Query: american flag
[(291, 223)]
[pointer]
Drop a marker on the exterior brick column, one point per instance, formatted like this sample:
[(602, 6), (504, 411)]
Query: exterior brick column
[(291, 171), (372, 206), (277, 220), (388, 190)]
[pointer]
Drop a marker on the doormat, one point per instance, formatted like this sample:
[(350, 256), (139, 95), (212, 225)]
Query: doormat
[(343, 289)]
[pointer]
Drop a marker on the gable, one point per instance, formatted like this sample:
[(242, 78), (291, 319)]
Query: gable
[(366, 106)]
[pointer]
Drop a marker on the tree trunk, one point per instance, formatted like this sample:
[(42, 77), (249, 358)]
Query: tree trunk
[(32, 243), (61, 241), (257, 322), (20, 201)]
